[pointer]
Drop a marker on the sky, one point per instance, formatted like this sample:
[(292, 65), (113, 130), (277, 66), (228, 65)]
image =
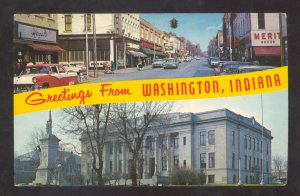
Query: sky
[(275, 118), (198, 28)]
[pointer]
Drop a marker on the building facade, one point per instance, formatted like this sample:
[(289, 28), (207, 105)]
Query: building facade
[(35, 38), (257, 37), (214, 142), (113, 36), (151, 40)]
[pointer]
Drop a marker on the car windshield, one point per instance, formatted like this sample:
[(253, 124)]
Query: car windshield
[(37, 70), (158, 60)]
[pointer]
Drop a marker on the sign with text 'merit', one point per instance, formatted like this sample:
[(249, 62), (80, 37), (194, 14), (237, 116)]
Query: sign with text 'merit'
[(152, 90)]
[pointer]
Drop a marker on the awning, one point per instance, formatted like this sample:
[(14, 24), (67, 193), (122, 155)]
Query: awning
[(46, 47), (137, 54), (151, 52), (266, 51)]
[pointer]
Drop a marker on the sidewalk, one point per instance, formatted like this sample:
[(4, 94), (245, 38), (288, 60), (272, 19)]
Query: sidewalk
[(100, 73)]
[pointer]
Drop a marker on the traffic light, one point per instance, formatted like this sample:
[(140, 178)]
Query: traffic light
[(174, 23)]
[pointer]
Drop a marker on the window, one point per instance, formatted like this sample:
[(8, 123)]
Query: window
[(261, 20), (176, 161), (257, 144), (61, 70), (110, 149), (245, 141), (249, 163), (233, 161), (176, 140), (257, 162), (267, 166), (89, 22), (203, 160), (246, 180), (164, 142), (184, 141), (54, 70), (211, 160), (184, 163), (253, 144), (68, 23), (203, 138), (234, 179), (211, 137), (110, 166), (211, 178), (120, 148), (245, 166), (120, 166), (249, 143), (267, 148), (233, 136), (152, 143), (164, 163)]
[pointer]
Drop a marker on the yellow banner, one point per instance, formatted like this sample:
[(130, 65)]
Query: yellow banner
[(152, 90)]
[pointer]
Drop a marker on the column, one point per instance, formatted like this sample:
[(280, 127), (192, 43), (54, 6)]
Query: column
[(145, 162), (168, 153), (156, 156), (115, 169), (124, 159)]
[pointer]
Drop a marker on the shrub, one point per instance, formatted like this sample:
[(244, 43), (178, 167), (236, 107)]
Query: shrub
[(185, 176)]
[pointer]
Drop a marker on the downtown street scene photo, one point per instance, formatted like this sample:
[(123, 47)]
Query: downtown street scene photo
[(232, 141)]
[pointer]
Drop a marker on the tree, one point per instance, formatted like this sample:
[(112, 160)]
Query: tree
[(279, 165), (134, 121), (90, 124)]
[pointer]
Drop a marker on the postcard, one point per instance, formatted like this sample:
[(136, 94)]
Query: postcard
[(150, 99)]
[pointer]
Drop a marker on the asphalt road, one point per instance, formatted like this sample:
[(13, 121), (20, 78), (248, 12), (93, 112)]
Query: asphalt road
[(194, 68)]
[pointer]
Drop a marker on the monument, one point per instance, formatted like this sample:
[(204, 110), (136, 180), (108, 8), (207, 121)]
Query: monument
[(48, 170)]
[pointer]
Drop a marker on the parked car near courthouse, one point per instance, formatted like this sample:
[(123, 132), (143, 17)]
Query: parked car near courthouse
[(43, 76)]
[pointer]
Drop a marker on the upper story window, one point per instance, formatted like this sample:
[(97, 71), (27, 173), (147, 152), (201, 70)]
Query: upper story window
[(184, 141), (176, 139), (88, 21), (233, 137), (261, 20), (211, 137), (203, 138), (68, 23), (245, 141)]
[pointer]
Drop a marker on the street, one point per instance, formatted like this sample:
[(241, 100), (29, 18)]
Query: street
[(194, 68)]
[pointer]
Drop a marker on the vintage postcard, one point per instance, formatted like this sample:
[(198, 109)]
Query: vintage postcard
[(150, 99)]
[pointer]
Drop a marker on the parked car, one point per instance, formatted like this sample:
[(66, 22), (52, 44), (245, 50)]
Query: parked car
[(43, 76), (158, 63), (80, 69), (214, 62), (170, 64), (253, 68)]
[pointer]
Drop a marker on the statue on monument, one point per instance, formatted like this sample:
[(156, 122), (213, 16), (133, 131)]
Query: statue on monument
[(49, 124)]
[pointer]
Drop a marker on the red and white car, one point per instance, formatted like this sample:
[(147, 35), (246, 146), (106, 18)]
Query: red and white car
[(43, 76)]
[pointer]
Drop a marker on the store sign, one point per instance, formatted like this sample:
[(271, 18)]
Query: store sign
[(265, 38), (35, 33), (169, 48)]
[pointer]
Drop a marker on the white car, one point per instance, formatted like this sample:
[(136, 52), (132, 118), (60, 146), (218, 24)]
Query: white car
[(80, 69)]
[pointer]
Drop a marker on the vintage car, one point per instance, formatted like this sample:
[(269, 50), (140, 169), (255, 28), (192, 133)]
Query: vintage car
[(170, 64), (158, 63), (253, 68), (43, 76), (80, 69)]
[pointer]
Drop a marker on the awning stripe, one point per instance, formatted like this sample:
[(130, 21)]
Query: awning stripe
[(266, 51), (46, 47)]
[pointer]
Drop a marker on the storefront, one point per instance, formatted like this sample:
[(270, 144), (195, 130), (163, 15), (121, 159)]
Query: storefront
[(266, 47), (35, 44), (152, 51)]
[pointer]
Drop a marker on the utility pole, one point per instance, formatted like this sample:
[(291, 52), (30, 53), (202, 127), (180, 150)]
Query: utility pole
[(95, 46), (86, 48)]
